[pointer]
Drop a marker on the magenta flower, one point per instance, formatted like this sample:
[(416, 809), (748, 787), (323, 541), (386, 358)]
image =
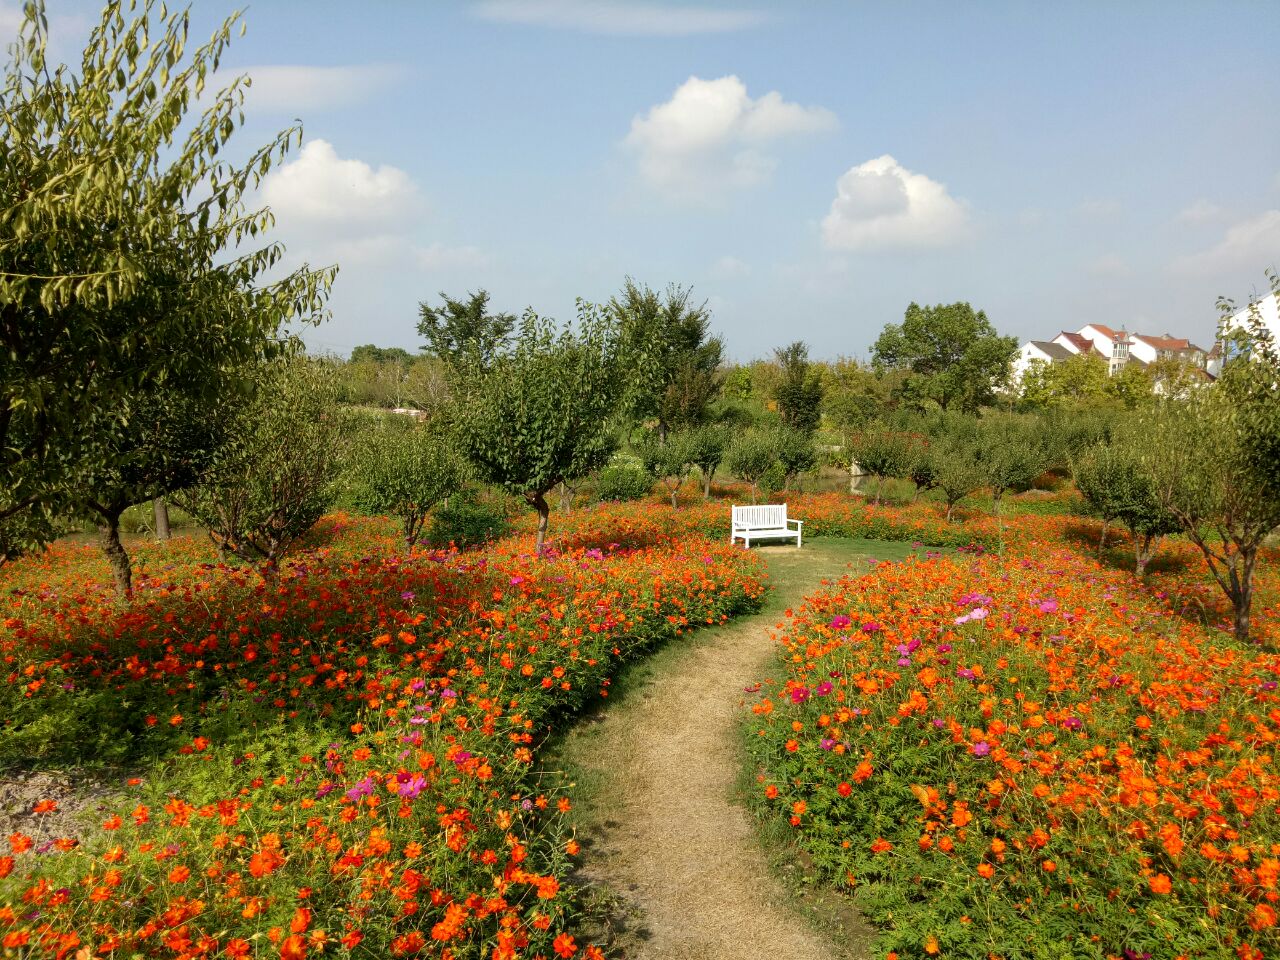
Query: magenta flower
[(981, 748)]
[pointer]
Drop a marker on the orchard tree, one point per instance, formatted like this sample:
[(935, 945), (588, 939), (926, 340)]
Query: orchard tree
[(1252, 380), (127, 254), (957, 453), (169, 444), (277, 470), (540, 412), (1201, 459), (798, 391), (752, 455), (405, 470), (707, 445), (796, 453), (954, 355), (1116, 486), (461, 332), (882, 452), (670, 462), (674, 360)]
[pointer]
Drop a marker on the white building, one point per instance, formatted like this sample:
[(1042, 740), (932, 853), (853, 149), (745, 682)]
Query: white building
[(1037, 351), (1118, 348), (1268, 311)]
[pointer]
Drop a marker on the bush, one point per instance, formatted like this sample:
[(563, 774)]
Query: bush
[(623, 482), (465, 522)]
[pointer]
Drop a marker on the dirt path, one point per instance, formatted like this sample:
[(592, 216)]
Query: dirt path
[(666, 836)]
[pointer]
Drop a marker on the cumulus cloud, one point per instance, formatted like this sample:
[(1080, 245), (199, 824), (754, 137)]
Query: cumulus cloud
[(881, 205), (322, 191), (1246, 249), (1202, 211), (619, 18), (283, 88), (729, 266), (710, 134)]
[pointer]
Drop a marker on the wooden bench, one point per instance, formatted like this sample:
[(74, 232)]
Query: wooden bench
[(764, 522)]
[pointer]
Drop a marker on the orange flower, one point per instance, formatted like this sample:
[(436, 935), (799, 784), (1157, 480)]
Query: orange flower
[(1161, 884)]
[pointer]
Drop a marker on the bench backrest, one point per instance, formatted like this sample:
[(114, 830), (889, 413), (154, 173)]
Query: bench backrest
[(765, 516)]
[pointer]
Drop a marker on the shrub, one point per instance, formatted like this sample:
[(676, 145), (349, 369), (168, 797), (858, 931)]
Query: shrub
[(624, 482), (404, 472), (750, 457), (467, 522)]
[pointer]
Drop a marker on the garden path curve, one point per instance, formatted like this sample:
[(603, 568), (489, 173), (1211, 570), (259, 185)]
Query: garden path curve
[(661, 769)]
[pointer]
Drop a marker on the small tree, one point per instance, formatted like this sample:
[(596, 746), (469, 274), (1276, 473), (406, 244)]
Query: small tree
[(796, 454), (1116, 486), (1012, 454), (882, 452), (799, 389), (277, 472), (670, 462), (707, 448), (171, 441), (127, 254), (405, 470), (540, 412), (751, 455), (1198, 456), (957, 461)]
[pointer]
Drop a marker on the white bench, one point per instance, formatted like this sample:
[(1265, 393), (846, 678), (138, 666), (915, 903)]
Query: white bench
[(765, 522)]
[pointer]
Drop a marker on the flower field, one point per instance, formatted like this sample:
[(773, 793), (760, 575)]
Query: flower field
[(1029, 757), (343, 762)]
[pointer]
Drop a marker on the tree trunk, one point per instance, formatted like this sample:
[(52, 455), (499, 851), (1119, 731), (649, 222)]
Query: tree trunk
[(950, 506), (1102, 540), (539, 502), (706, 484), (1242, 591), (879, 490), (121, 569), (1143, 548), (566, 497), (162, 519), (674, 491)]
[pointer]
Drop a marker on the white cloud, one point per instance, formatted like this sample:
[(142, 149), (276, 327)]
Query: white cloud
[(880, 205), (439, 257), (1098, 210), (618, 17), (1200, 212), (1110, 267), (322, 191), (281, 88), (1246, 249), (708, 136), (728, 266)]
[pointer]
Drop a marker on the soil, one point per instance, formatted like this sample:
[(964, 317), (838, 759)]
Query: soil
[(673, 863), (82, 800)]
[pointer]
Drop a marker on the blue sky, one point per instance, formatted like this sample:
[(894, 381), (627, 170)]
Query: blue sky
[(809, 167)]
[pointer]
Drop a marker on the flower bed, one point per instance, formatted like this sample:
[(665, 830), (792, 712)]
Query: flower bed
[(1028, 758), (341, 762)]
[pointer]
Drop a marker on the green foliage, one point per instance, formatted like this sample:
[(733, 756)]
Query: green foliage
[(883, 451), (1200, 455), (464, 331), (670, 462), (751, 455), (795, 453), (370, 353), (623, 482), (854, 396), (405, 470), (467, 522), (1251, 378), (953, 354), (539, 413), (1013, 451), (1116, 486), (799, 389), (956, 453), (277, 471), (707, 445), (127, 257), (674, 363)]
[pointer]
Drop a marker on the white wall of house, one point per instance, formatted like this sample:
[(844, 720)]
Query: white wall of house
[(1142, 350), (1028, 355), (1065, 343), (1102, 341), (1268, 311)]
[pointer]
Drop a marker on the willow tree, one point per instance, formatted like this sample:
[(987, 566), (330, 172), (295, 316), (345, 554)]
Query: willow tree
[(539, 411), (128, 258)]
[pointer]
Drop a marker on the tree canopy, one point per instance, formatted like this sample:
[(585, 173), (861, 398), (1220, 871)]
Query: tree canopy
[(459, 331), (127, 255), (954, 355), (540, 412)]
